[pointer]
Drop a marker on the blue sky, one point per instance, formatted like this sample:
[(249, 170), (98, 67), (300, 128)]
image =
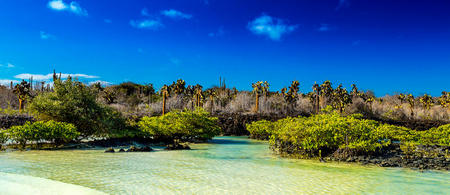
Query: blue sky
[(385, 46)]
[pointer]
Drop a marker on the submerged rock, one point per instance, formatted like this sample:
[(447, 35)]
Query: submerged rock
[(146, 149), (178, 147), (109, 150), (138, 149)]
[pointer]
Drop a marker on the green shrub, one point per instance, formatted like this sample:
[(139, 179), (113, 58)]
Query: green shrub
[(75, 103), (331, 131), (436, 135), (50, 131), (260, 129), (3, 137), (181, 125)]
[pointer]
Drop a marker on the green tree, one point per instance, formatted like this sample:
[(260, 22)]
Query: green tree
[(75, 103), (177, 126)]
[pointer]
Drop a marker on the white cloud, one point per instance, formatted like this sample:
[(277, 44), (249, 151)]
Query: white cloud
[(171, 13), (77, 9), (41, 77), (103, 83), (324, 28), (57, 5), (7, 82), (74, 7), (8, 65), (146, 24), (272, 27)]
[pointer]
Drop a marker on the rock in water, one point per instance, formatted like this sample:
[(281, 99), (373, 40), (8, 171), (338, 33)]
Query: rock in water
[(109, 150), (121, 150), (146, 149)]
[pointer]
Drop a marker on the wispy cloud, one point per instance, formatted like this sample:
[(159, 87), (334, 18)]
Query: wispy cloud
[(343, 4), (41, 77), (220, 32), (324, 28), (46, 36), (103, 83), (7, 65), (74, 7), (7, 82), (273, 28), (150, 24), (174, 14)]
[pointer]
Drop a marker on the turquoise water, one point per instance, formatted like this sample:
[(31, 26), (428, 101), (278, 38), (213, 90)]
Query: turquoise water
[(227, 165)]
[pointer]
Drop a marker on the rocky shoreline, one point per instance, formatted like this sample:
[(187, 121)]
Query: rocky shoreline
[(419, 157)]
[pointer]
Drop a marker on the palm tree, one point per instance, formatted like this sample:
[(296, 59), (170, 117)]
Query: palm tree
[(22, 91), (164, 94)]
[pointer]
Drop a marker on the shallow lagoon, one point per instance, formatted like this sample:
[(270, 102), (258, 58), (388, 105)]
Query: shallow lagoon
[(227, 165)]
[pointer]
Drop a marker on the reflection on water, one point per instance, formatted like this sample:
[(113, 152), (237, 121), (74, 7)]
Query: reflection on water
[(227, 165)]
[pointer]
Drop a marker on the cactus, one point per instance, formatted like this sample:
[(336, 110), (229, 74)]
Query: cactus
[(22, 91), (164, 94)]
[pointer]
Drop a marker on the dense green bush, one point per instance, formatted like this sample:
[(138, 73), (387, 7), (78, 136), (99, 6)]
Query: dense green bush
[(329, 132), (260, 129), (3, 137), (50, 131), (436, 135), (181, 125), (75, 103)]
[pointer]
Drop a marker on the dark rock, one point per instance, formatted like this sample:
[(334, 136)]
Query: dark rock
[(133, 149), (121, 150), (109, 150), (146, 149), (178, 147)]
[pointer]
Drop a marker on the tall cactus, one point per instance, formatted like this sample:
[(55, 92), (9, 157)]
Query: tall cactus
[(164, 94), (257, 89), (22, 91)]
